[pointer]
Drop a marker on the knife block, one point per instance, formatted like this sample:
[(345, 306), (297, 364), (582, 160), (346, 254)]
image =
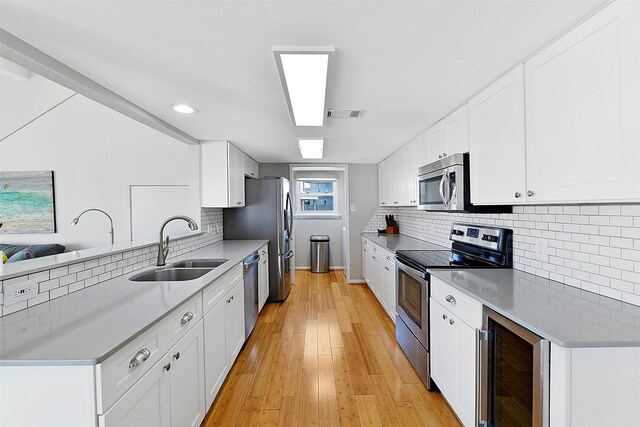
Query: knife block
[(393, 229)]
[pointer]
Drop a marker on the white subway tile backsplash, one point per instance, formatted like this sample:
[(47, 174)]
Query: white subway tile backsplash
[(58, 282), (594, 247)]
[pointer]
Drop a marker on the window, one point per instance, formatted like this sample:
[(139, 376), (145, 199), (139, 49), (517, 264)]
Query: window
[(315, 196)]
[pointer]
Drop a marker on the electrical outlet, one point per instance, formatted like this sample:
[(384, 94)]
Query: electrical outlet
[(353, 208), (541, 249), (20, 291), (208, 229)]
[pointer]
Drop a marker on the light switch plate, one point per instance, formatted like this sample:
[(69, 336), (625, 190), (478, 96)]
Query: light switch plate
[(353, 208), (20, 291)]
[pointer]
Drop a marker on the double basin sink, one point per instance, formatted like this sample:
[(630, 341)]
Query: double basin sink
[(180, 271)]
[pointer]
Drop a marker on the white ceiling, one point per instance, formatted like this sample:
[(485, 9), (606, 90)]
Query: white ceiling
[(407, 63)]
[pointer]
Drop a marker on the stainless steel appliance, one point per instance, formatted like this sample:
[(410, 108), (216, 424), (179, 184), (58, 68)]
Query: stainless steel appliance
[(513, 375), (472, 247), (444, 186), (267, 214), (250, 275)]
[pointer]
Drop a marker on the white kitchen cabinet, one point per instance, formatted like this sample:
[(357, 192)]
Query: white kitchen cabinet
[(250, 167), (186, 379), (583, 111), (234, 318), (497, 144), (146, 403), (216, 365), (384, 184), (221, 175), (378, 270), (409, 172), (263, 276), (449, 136), (453, 318)]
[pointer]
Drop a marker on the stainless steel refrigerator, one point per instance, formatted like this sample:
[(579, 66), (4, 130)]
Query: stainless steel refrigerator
[(267, 214)]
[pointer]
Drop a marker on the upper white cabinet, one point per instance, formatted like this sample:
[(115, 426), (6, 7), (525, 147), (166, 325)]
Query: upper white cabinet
[(384, 184), (583, 112), (449, 136), (397, 175), (222, 170), (497, 150)]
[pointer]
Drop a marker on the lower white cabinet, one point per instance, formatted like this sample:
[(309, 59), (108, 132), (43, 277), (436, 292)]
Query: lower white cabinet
[(234, 318), (263, 277), (186, 379), (378, 270), (453, 319), (146, 403)]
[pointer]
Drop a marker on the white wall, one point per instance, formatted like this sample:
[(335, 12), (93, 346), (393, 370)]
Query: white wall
[(95, 154), (305, 227)]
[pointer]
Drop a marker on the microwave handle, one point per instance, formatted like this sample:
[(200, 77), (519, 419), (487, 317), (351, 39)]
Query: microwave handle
[(442, 186)]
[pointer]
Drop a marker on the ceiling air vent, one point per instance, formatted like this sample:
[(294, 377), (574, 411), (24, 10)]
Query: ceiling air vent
[(345, 114)]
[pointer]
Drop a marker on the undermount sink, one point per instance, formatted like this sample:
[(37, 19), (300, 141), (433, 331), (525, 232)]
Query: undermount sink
[(199, 263), (170, 275)]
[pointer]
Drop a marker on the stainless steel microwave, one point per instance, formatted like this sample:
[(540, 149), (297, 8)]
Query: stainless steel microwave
[(444, 186)]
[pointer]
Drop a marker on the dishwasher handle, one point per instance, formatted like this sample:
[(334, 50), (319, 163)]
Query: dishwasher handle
[(253, 260)]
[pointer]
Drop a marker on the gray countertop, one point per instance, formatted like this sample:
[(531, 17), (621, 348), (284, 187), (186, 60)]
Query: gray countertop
[(87, 326), (397, 242), (565, 315)]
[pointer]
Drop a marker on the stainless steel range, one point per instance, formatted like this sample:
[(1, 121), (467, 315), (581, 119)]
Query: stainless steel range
[(472, 247)]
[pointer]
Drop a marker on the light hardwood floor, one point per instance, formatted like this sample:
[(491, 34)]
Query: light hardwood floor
[(326, 356)]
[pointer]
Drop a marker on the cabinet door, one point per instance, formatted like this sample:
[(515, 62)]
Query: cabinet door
[(397, 181), (436, 141), (365, 263), (497, 151), (410, 175), (187, 378), (254, 169), (239, 176), (246, 165), (583, 111), (457, 125), (420, 150), (443, 354), (146, 403), (234, 317), (465, 361), (216, 365), (383, 183), (390, 290)]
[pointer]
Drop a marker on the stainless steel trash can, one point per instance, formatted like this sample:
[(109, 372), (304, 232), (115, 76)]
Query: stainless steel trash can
[(319, 253)]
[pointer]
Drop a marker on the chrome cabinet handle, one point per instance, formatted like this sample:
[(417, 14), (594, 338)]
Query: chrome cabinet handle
[(239, 203), (386, 268), (389, 258), (176, 356), (382, 203), (439, 156), (167, 367), (444, 317), (186, 318), (229, 301), (373, 257), (451, 300), (232, 297), (517, 195), (444, 154), (395, 203), (529, 193), (451, 322), (140, 357)]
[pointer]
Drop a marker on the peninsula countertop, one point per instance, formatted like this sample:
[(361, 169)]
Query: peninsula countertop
[(87, 326), (567, 316), (398, 242)]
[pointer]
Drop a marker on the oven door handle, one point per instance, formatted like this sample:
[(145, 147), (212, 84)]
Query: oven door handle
[(416, 274), (482, 377)]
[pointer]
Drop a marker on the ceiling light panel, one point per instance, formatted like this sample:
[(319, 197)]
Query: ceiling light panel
[(184, 109), (311, 148), (304, 74)]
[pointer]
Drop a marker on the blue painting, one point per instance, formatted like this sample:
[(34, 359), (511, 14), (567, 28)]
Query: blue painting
[(27, 202)]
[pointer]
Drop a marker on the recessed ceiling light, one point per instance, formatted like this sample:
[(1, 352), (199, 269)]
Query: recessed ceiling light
[(311, 148), (303, 73), (184, 108)]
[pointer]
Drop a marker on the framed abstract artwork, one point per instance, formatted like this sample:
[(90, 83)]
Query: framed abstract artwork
[(27, 202)]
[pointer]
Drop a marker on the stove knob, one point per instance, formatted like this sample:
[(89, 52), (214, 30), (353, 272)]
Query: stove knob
[(486, 237)]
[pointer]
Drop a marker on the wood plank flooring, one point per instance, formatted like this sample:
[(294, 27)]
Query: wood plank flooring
[(327, 356)]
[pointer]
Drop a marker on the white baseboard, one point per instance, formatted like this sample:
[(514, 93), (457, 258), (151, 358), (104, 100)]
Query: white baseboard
[(331, 267), (354, 281)]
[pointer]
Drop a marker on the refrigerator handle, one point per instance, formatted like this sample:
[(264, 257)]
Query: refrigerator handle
[(289, 209), (288, 255)]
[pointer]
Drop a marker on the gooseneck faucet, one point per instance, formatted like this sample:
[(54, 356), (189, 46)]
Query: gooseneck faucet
[(76, 219), (163, 249)]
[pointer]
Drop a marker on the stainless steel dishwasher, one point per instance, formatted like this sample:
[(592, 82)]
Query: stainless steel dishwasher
[(250, 271)]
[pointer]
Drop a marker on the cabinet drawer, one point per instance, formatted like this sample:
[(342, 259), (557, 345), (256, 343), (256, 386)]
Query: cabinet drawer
[(119, 372), (384, 253), (183, 318), (214, 293), (466, 308)]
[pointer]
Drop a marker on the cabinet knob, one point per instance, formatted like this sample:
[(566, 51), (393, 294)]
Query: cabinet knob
[(451, 322), (167, 367), (382, 203), (229, 300), (529, 193), (231, 296), (517, 195), (239, 203), (186, 318), (176, 356), (439, 156), (395, 203), (444, 154), (451, 300), (444, 317), (386, 268)]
